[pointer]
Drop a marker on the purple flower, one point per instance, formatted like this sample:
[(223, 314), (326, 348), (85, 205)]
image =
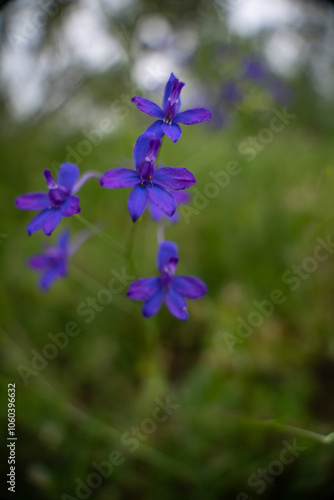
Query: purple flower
[(53, 262), (231, 93), (148, 183), (173, 289), (255, 70), (55, 205), (169, 115), (181, 198)]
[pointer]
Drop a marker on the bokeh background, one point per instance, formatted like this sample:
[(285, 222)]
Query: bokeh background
[(66, 69)]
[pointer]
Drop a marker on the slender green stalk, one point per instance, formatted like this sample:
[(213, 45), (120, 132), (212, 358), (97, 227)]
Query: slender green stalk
[(116, 247)]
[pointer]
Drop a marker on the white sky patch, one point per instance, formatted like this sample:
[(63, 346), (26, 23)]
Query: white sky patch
[(185, 44), (115, 6), (23, 77), (251, 16), (154, 31), (87, 37), (83, 41), (152, 71), (286, 53)]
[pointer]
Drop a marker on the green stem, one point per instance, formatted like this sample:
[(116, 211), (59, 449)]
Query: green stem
[(290, 429), (94, 286), (129, 246), (161, 233), (116, 247)]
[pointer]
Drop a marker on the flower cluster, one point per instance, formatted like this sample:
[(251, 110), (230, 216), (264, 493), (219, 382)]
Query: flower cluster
[(59, 202), (158, 187)]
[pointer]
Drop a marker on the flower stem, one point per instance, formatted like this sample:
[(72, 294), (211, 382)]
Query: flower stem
[(161, 233), (129, 247), (84, 178), (117, 248), (79, 239), (119, 302)]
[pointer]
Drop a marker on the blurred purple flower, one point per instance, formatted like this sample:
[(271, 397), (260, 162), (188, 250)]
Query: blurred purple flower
[(231, 93), (55, 205), (173, 289), (219, 118), (181, 198), (148, 183), (255, 70), (169, 115), (53, 262)]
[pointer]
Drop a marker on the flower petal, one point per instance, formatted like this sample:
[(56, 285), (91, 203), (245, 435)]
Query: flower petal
[(155, 144), (162, 199), (146, 170), (174, 178), (63, 240), (70, 206), (193, 116), (37, 223), (48, 278), (144, 288), (155, 129), (68, 175), (181, 197), (58, 195), (148, 107), (141, 148), (168, 250), (153, 304), (155, 212), (176, 90), (119, 178), (33, 201), (52, 221), (172, 130), (137, 201), (50, 182), (174, 219), (147, 145), (189, 286), (169, 269), (63, 268), (176, 304), (38, 261), (168, 88)]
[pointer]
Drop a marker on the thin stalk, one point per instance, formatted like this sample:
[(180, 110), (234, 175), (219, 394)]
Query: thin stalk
[(87, 175), (116, 247)]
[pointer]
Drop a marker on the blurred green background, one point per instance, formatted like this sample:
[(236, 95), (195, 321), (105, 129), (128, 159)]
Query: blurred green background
[(235, 402)]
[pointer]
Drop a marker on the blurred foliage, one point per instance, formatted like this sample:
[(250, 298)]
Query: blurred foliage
[(235, 408)]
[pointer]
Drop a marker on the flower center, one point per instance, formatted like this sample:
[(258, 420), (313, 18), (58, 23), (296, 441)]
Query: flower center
[(147, 183), (146, 171), (58, 195), (168, 272), (55, 256), (170, 111)]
